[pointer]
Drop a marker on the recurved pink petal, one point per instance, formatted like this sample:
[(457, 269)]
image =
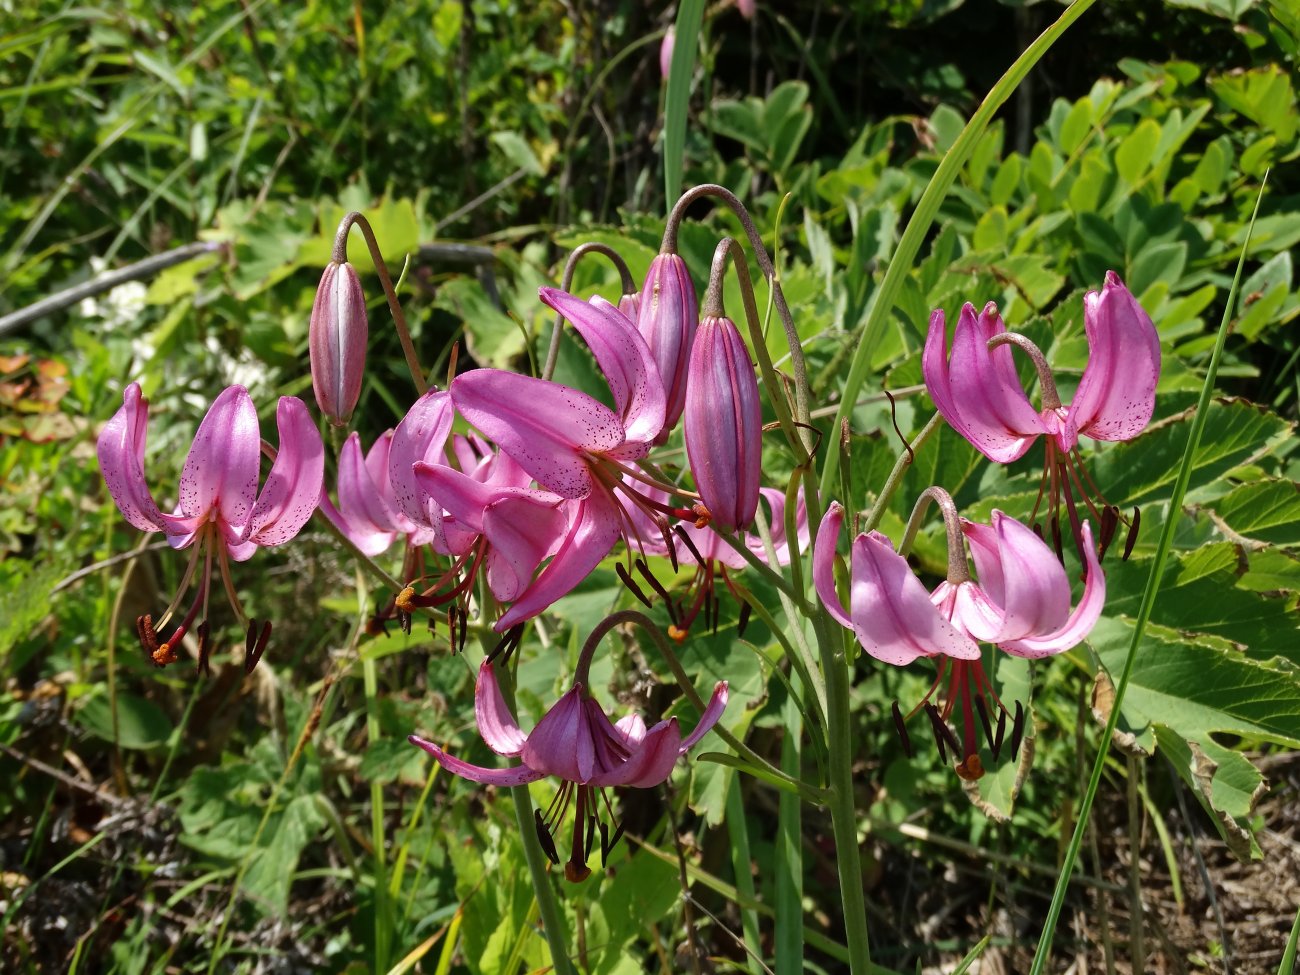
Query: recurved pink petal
[(522, 528), (712, 713), (999, 420), (421, 436), (1117, 393), (546, 427), (623, 357), (631, 729), (1023, 577), (561, 744), (361, 514), (121, 460), (520, 775), (892, 614), (1080, 622), (293, 488), (221, 468), (495, 722), (650, 762), (828, 533), (592, 533)]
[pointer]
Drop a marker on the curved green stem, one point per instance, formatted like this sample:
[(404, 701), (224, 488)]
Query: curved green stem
[(340, 256)]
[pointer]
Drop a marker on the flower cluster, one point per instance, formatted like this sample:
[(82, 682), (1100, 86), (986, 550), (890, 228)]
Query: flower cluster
[(498, 523)]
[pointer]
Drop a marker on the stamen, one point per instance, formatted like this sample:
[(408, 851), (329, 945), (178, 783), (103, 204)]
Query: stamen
[(982, 710), (1017, 731), (205, 648), (1132, 533), (631, 584), (743, 621), (255, 648), (463, 631), (607, 848), (1002, 729), (901, 727), (658, 587), (507, 645), (545, 839), (690, 545), (1109, 522), (942, 733)]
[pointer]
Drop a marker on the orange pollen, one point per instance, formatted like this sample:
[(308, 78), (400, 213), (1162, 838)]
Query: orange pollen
[(970, 768), (702, 515), (164, 655), (676, 633), (404, 600)]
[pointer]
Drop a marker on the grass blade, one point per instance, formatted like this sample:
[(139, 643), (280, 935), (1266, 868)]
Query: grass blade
[(690, 15), (1148, 603)]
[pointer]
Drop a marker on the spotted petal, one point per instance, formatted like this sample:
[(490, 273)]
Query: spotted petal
[(520, 775), (121, 460)]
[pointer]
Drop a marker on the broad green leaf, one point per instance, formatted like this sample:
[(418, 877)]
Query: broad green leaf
[(140, 722), (492, 337), (1266, 511), (270, 875), (1142, 470)]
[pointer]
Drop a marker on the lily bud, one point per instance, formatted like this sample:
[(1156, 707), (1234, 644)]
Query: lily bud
[(337, 341), (667, 320), (630, 305), (666, 52), (723, 423)]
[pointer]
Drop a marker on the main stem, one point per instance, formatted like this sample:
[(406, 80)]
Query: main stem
[(844, 814)]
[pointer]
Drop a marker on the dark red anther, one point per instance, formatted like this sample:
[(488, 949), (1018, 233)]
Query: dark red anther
[(628, 581), (255, 644), (545, 839), (1132, 533), (900, 725)]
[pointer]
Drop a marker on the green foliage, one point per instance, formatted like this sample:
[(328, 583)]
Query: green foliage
[(527, 132)]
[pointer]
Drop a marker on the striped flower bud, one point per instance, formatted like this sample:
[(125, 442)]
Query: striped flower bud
[(337, 341), (667, 320), (723, 423)]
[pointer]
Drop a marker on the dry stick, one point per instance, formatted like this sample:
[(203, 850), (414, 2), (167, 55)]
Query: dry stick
[(138, 271), (566, 282), (340, 256)]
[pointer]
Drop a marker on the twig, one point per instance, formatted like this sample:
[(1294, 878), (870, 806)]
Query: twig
[(138, 271)]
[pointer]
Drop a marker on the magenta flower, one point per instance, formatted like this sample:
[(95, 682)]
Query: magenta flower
[(668, 319), (724, 424), (220, 506), (367, 512), (337, 341), (978, 392), (576, 742), (1021, 604), (715, 559)]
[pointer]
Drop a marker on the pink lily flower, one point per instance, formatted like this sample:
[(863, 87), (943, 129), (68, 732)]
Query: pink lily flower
[(514, 529), (715, 558), (576, 742), (367, 512), (1021, 604), (221, 512), (978, 392), (574, 445)]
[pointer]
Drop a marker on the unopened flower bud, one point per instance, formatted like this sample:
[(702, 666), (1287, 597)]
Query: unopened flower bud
[(666, 52), (723, 423), (630, 305), (337, 341), (667, 320)]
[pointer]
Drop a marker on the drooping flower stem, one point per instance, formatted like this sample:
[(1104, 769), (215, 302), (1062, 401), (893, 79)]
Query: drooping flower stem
[(557, 330), (803, 391), (548, 906), (958, 570), (712, 306), (340, 256), (1051, 399)]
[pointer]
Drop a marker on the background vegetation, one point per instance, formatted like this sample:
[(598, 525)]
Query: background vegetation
[(158, 822)]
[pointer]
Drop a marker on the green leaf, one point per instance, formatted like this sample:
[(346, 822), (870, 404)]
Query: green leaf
[(271, 873), (1265, 96), (140, 723), (1134, 154), (1267, 511), (1142, 470), (492, 337)]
